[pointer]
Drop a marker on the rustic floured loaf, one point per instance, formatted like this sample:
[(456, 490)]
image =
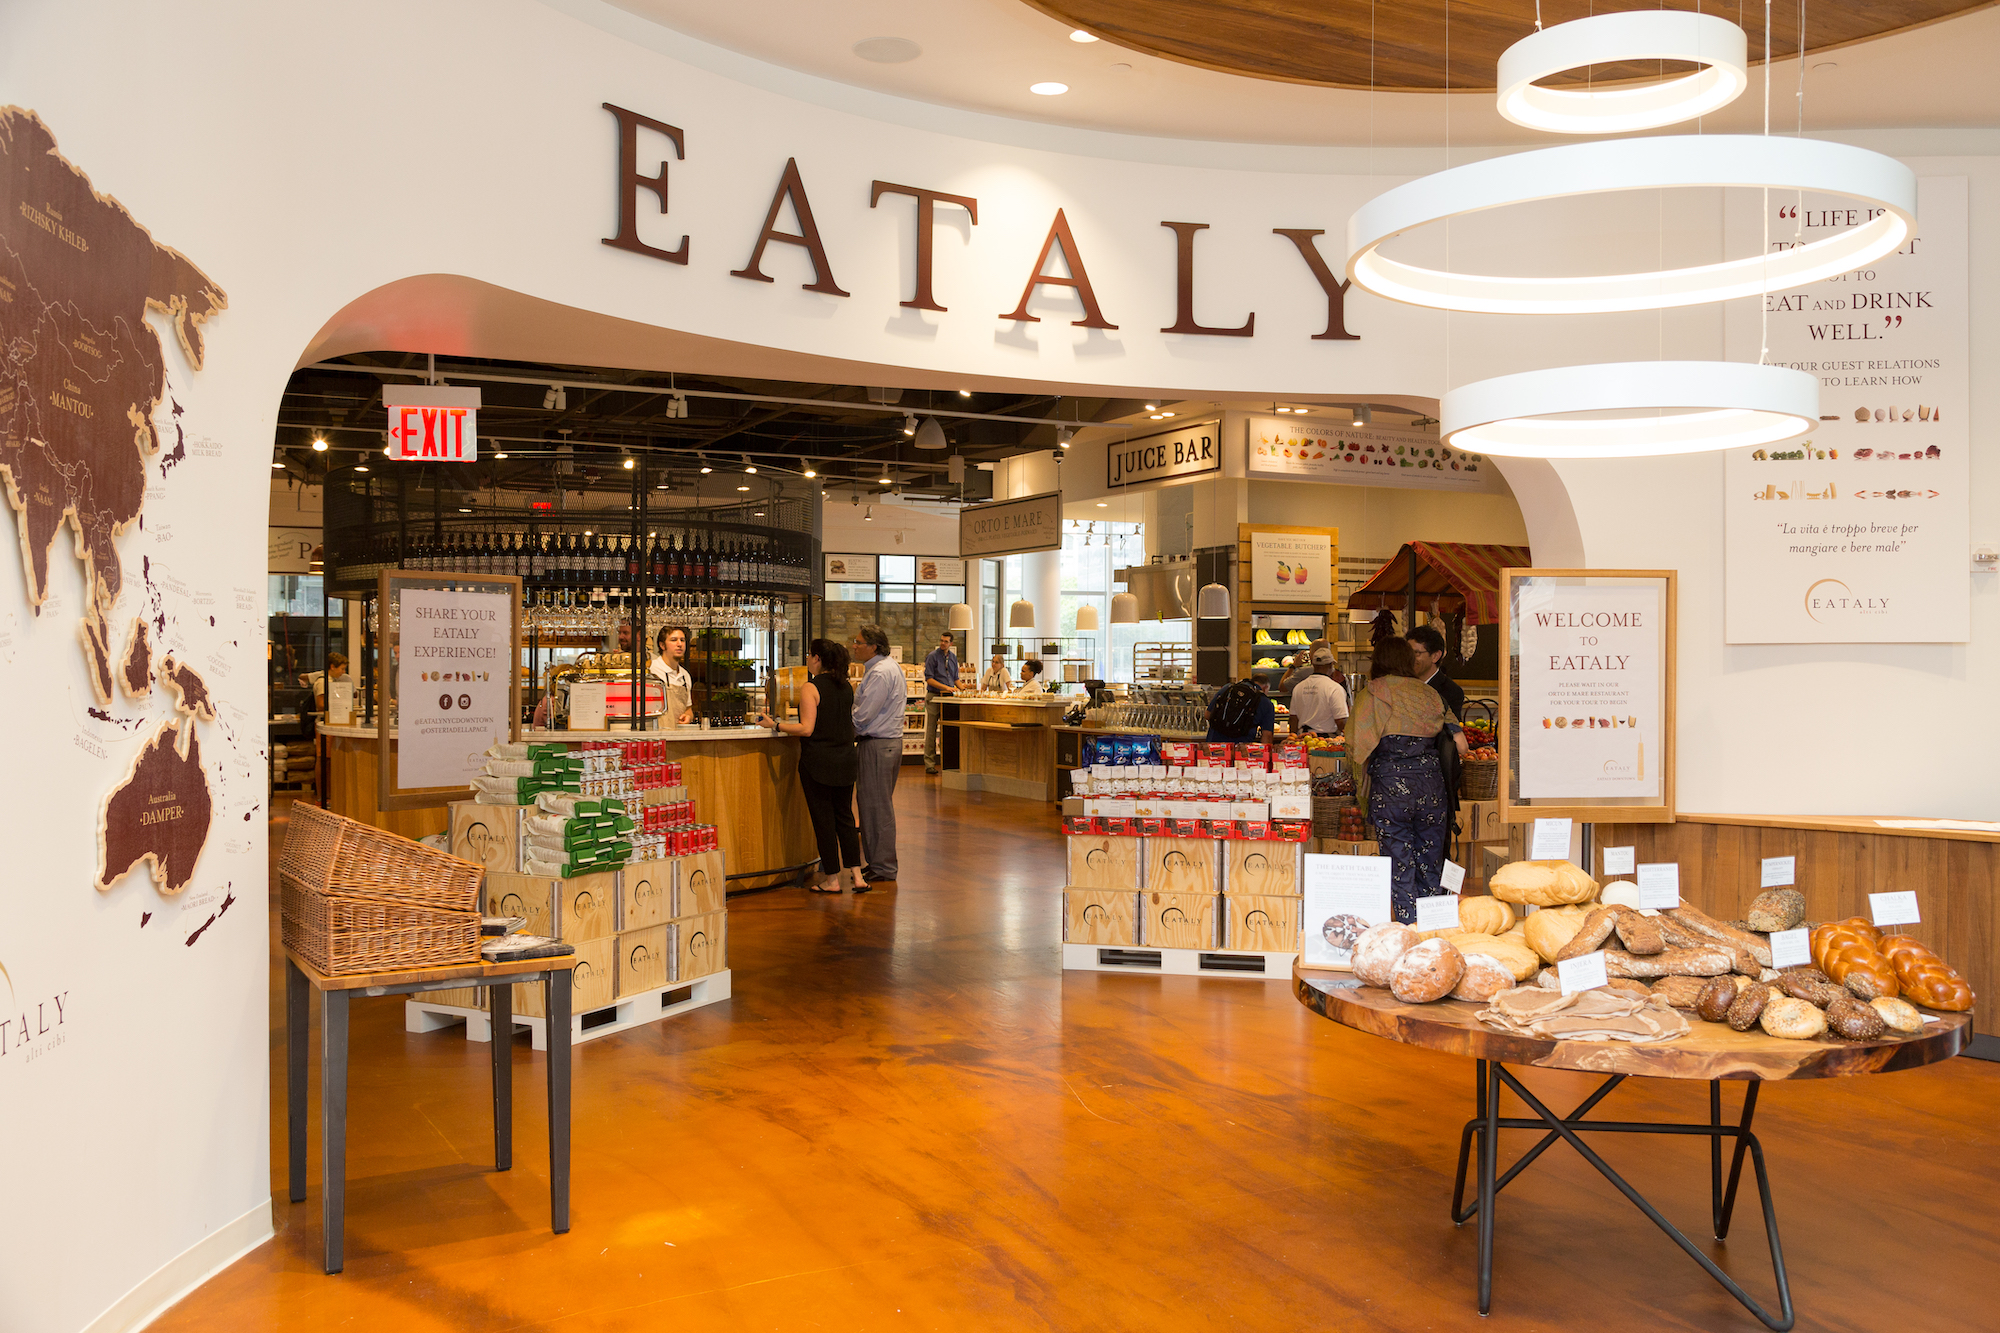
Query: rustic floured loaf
[(1542, 883)]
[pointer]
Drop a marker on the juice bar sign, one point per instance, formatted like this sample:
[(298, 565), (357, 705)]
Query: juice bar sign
[(1187, 452)]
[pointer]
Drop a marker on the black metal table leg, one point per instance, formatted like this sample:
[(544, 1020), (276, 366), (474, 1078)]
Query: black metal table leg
[(500, 1017), (1715, 1155), (298, 1030), (1460, 1214), (558, 1043), (1489, 1156), (1745, 1140), (333, 1122)]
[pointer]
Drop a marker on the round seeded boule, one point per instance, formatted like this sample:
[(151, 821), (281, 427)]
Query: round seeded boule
[(1485, 977), (1777, 909), (1793, 1019), (1376, 952)]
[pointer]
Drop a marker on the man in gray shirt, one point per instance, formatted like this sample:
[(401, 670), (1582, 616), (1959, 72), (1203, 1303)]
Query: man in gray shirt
[(878, 728)]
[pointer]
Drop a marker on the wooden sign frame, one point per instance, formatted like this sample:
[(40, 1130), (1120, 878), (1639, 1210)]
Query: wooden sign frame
[(1247, 605), (393, 582), (1515, 809)]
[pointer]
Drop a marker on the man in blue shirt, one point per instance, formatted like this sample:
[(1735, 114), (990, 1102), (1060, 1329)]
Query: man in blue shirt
[(1242, 712), (940, 679), (878, 731)]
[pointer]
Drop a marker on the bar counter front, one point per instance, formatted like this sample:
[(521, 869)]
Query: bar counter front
[(744, 780), (1004, 744)]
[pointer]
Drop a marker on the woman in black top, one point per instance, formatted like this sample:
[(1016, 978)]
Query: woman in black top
[(828, 763)]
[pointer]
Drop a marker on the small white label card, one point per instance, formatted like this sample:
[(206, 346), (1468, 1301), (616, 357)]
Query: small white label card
[(1453, 877), (1620, 860), (1660, 884), (1779, 871), (1550, 841), (1791, 948), (1439, 913), (1585, 973), (1894, 909)]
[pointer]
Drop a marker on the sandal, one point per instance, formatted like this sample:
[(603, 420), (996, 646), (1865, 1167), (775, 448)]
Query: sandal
[(822, 888)]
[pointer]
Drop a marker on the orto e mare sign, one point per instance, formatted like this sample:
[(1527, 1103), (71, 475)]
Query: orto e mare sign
[(432, 423), (1185, 452)]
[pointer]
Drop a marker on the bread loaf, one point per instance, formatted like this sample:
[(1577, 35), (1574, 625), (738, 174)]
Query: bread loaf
[(1680, 936), (1629, 986), (1715, 998), (1641, 934), (1801, 986), (1485, 977), (1486, 915), (1672, 963), (1542, 883), (1425, 973), (1777, 909), (1591, 935), (1510, 950), (1619, 893), (1792, 1019), (1553, 927), (1680, 992), (1376, 952), (1693, 918), (1898, 1015), (1748, 1006), (1549, 979), (1851, 959), (1925, 977)]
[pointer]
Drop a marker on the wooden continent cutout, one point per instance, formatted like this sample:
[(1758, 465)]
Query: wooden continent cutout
[(160, 813), (135, 673), (190, 691)]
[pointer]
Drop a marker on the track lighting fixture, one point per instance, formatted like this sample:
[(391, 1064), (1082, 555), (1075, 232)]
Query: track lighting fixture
[(909, 423), (1063, 436), (319, 445)]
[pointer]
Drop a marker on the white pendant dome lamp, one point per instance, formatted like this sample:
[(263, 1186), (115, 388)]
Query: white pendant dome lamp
[(1645, 408), (1607, 39), (1086, 618), (1885, 188), (1212, 602), (959, 617), (1021, 615), (1125, 609)]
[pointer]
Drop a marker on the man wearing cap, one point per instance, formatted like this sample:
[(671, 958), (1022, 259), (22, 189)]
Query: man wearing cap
[(1319, 705)]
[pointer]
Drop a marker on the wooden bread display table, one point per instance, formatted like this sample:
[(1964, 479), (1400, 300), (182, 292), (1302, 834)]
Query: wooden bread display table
[(1709, 1051), (498, 979)]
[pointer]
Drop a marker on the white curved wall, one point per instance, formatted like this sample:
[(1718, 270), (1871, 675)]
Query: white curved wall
[(306, 158)]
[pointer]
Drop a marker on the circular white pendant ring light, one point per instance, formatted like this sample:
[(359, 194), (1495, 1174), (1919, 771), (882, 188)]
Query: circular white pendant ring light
[(1712, 405), (1607, 39), (1884, 190)]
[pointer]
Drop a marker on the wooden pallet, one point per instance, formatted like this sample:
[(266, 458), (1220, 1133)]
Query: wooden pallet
[(1239, 963), (422, 1015)]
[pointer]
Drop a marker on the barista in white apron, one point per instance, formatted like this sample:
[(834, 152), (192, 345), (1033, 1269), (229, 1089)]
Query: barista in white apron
[(668, 669)]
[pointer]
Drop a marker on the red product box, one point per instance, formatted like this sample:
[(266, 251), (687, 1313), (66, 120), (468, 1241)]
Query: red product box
[(1291, 830), (1117, 826), (1215, 753), (1080, 826), (1152, 827), (1254, 830), (1256, 754), (1178, 754), (1189, 828)]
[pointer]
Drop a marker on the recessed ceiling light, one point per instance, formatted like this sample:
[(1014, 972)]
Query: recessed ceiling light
[(661, 487), (1050, 89), (810, 474), (1166, 414), (277, 465), (360, 467), (888, 50), (1156, 417), (630, 463), (883, 480), (751, 470), (1102, 505), (758, 514), (1079, 35), (464, 510), (742, 488), (965, 393), (499, 455), (706, 469)]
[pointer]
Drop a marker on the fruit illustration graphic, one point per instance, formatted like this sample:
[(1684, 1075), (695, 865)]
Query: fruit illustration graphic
[(1284, 571), (1299, 576), (1545, 724)]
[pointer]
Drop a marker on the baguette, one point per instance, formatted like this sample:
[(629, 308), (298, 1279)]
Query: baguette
[(1671, 963), (1681, 936), (1721, 931), (1641, 934), (1592, 934)]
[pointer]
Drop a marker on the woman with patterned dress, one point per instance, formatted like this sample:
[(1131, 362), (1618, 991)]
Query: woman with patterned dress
[(1393, 745)]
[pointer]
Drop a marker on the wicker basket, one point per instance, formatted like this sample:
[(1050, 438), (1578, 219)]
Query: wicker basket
[(331, 854), (1326, 814), (340, 934), (1480, 779)]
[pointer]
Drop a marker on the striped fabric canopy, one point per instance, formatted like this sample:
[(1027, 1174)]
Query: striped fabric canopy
[(1451, 577)]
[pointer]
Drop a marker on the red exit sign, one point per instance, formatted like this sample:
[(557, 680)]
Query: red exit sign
[(432, 423)]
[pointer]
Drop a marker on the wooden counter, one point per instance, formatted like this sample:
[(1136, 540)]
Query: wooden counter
[(743, 780), (1004, 745), (1841, 860)]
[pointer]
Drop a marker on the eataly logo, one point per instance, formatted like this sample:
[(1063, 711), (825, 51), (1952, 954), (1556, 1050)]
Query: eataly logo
[(792, 190), (20, 1030)]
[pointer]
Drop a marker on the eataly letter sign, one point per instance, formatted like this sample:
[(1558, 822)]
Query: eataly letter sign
[(792, 189)]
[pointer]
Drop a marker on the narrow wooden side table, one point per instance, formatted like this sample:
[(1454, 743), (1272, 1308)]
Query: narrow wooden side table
[(497, 979)]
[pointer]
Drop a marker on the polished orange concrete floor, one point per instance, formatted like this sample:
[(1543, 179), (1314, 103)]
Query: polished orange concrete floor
[(910, 1118)]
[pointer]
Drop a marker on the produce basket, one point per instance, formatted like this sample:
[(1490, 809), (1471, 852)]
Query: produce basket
[(1480, 771), (1479, 780), (1326, 814), (341, 934), (330, 854)]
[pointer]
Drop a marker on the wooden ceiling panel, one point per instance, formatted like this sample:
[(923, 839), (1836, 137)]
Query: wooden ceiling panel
[(1402, 46)]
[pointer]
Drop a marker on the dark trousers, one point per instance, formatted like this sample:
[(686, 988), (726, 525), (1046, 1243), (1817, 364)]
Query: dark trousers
[(832, 811), (1407, 805)]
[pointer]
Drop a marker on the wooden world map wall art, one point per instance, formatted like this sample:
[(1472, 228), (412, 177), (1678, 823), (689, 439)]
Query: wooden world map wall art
[(84, 376), (1321, 42)]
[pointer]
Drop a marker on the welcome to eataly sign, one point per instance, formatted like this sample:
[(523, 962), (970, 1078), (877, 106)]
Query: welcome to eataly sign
[(1060, 241)]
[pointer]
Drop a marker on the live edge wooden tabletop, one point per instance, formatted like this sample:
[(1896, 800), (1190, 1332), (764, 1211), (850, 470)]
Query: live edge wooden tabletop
[(441, 977), (1708, 1051)]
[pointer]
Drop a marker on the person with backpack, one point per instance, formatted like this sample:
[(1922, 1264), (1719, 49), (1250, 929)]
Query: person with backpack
[(1394, 736), (1242, 712)]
